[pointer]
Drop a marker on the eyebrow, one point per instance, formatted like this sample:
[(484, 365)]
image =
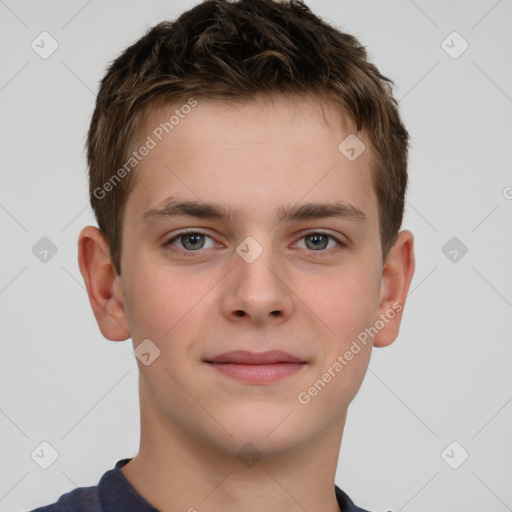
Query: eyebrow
[(175, 208)]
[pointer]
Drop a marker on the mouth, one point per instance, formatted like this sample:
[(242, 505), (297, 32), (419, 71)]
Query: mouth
[(257, 368)]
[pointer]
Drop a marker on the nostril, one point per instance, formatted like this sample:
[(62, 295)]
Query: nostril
[(275, 313), (240, 313)]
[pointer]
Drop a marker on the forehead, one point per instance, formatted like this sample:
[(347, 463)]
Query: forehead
[(260, 152)]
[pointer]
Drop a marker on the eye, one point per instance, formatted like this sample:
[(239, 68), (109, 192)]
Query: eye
[(193, 241), (189, 241), (318, 241)]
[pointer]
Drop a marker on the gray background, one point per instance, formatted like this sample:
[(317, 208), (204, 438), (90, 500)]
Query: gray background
[(447, 377)]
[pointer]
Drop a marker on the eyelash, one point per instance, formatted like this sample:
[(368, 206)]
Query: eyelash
[(168, 243)]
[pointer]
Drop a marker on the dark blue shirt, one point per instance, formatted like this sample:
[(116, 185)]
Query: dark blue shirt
[(115, 494)]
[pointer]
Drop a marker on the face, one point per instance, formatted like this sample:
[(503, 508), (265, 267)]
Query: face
[(254, 297)]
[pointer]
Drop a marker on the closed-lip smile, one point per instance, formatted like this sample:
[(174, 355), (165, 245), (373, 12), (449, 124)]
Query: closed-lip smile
[(257, 367)]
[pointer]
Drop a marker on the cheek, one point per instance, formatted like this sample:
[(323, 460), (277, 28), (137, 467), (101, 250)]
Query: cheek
[(345, 302), (165, 306), (347, 307), (152, 303)]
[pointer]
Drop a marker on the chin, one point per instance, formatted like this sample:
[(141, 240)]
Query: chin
[(270, 428)]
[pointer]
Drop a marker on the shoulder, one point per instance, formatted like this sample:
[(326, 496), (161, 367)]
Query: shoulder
[(345, 503), (82, 499)]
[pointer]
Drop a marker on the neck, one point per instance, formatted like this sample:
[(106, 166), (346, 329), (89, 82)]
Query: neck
[(176, 472)]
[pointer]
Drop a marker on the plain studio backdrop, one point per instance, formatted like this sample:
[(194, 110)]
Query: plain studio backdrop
[(430, 427)]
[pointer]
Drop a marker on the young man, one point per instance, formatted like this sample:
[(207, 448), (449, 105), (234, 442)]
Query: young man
[(248, 168)]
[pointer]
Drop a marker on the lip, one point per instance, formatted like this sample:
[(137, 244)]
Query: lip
[(257, 367), (246, 357)]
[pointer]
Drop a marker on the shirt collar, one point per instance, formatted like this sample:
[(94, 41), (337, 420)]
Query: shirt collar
[(116, 493)]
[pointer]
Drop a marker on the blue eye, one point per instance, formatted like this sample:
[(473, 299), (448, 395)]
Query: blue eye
[(190, 240), (193, 241), (317, 241)]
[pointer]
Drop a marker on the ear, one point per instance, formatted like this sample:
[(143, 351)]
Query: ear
[(103, 284), (396, 279)]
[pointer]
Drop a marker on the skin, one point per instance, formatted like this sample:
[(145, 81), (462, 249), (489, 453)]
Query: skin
[(308, 301)]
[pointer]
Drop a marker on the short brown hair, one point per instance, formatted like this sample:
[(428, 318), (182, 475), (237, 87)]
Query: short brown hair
[(233, 50)]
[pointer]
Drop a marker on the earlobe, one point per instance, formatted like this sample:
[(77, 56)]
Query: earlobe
[(396, 279), (102, 284)]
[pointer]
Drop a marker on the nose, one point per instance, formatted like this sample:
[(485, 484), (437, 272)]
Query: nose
[(258, 291)]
